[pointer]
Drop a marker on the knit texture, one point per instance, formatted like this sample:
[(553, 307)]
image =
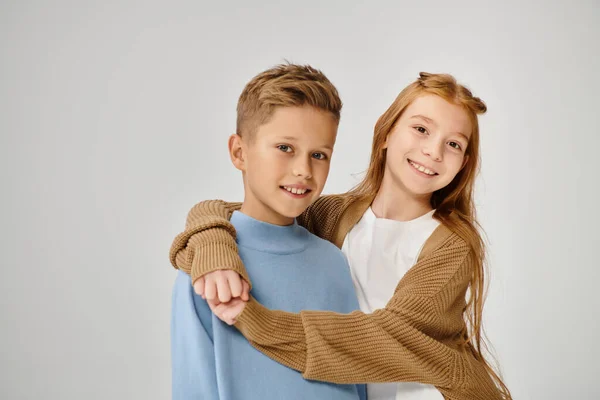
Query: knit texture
[(417, 337), (292, 270)]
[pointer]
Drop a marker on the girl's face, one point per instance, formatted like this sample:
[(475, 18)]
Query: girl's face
[(426, 148)]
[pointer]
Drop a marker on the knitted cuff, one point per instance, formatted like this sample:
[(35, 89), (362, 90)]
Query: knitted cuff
[(214, 257)]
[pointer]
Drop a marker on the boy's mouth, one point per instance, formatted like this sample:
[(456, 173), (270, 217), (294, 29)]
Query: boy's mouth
[(296, 191)]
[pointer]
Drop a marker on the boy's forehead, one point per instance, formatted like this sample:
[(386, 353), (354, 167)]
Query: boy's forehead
[(300, 124)]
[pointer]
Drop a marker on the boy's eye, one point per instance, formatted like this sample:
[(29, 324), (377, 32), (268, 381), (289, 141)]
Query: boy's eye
[(421, 130), (319, 156), (284, 147)]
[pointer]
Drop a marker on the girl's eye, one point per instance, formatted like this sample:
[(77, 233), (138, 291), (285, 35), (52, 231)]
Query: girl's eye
[(285, 148), (421, 130), (455, 145), (319, 156)]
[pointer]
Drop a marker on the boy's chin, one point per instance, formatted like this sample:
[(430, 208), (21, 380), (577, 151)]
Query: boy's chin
[(288, 209), (292, 213)]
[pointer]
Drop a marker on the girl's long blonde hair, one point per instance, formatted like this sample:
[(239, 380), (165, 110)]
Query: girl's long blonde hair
[(453, 204)]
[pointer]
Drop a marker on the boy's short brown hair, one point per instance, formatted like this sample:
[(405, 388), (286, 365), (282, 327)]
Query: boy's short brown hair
[(285, 85)]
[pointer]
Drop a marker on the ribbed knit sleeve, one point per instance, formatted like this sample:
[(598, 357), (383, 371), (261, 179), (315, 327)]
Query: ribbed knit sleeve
[(415, 338), (208, 242)]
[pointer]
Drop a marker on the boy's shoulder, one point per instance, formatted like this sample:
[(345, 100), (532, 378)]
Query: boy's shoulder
[(315, 243), (334, 202)]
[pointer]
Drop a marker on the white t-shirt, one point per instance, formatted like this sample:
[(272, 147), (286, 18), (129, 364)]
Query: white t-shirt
[(379, 252)]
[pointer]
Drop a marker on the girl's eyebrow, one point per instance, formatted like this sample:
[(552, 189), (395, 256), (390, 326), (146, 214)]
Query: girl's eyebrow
[(432, 122), (424, 118), (463, 135)]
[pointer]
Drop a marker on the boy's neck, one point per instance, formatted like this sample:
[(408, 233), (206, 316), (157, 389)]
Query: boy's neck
[(393, 202), (264, 214), (252, 233)]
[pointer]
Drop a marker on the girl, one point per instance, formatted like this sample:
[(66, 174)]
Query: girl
[(410, 235)]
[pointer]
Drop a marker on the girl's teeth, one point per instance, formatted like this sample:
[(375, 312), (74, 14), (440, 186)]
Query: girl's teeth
[(422, 168)]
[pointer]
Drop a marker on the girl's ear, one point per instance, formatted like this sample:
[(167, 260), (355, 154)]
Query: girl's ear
[(465, 160), (236, 151), (387, 137), (385, 142)]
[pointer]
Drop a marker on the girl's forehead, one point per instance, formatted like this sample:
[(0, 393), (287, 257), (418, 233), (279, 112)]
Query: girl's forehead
[(437, 111)]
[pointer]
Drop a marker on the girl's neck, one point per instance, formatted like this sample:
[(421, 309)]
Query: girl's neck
[(394, 202)]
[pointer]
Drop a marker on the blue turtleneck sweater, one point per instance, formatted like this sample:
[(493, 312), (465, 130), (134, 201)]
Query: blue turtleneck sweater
[(291, 270)]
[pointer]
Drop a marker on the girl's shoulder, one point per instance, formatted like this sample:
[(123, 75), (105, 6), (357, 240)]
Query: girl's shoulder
[(450, 235)]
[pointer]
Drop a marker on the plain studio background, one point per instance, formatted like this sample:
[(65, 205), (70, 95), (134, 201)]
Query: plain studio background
[(114, 122)]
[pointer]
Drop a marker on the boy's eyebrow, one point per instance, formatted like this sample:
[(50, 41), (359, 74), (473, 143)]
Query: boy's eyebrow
[(429, 120), (293, 139)]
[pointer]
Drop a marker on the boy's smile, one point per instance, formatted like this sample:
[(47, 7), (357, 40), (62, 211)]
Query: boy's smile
[(285, 163), (296, 191)]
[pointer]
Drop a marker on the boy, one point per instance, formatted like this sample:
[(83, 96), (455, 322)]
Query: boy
[(287, 120)]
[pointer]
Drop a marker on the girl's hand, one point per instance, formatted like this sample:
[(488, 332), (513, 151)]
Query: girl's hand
[(221, 286), (227, 312)]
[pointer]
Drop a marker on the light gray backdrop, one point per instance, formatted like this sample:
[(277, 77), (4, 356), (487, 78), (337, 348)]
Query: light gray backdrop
[(114, 122)]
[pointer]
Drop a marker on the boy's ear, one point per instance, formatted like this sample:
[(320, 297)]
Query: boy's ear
[(236, 151)]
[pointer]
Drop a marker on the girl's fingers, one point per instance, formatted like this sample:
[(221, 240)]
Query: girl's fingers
[(235, 285), (210, 290), (223, 293), (245, 291), (199, 286)]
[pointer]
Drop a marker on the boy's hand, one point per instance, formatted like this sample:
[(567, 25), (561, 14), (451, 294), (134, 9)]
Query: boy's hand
[(221, 286), (227, 312)]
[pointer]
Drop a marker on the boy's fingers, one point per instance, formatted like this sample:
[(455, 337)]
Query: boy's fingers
[(235, 284), (223, 291), (199, 286), (245, 290)]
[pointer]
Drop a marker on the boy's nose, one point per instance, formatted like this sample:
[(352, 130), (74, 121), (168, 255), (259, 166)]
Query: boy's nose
[(302, 168)]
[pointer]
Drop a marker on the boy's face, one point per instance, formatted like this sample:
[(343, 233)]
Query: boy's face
[(285, 163)]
